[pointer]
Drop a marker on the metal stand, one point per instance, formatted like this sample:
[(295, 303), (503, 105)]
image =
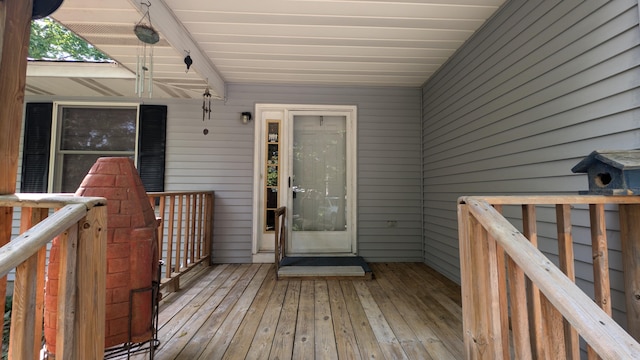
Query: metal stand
[(130, 348)]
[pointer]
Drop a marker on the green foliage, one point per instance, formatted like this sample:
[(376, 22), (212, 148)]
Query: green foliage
[(51, 41), (7, 326)]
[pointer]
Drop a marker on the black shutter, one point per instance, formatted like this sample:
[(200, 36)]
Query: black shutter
[(151, 146), (35, 152)]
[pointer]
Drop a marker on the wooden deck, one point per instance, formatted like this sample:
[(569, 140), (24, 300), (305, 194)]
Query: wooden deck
[(408, 311)]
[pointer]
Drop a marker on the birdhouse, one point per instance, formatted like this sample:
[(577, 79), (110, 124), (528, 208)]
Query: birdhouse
[(612, 172)]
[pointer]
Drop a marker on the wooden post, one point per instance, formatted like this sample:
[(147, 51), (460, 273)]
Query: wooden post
[(15, 24), (67, 306), (15, 27), (630, 241), (91, 285), (530, 231), (466, 274), (566, 258)]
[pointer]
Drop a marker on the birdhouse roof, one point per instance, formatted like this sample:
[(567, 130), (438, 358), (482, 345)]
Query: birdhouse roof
[(620, 159)]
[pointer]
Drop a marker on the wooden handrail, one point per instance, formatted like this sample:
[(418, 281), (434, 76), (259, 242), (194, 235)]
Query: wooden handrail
[(80, 226), (280, 235), (186, 228), (24, 246), (537, 326)]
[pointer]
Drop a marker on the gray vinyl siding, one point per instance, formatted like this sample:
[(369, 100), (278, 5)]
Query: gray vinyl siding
[(389, 165), (539, 87)]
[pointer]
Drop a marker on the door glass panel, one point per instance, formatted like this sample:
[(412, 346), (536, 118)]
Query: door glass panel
[(273, 174), (319, 174)]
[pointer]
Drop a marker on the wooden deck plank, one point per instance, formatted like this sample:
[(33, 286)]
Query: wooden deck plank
[(443, 290), (201, 338), (384, 334), (447, 328), (405, 335), (367, 342), (346, 343), (423, 330), (304, 341), (241, 342), (174, 339), (426, 297), (243, 312), (170, 304), (324, 336), (282, 347), (216, 348), (263, 339)]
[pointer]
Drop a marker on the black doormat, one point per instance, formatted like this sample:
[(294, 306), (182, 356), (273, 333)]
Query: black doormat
[(325, 261)]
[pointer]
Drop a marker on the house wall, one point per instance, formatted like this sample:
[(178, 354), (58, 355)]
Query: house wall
[(389, 166), (539, 87)]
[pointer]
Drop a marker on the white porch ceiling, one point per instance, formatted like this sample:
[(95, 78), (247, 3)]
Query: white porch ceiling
[(302, 42)]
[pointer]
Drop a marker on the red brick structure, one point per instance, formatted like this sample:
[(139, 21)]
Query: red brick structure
[(132, 259)]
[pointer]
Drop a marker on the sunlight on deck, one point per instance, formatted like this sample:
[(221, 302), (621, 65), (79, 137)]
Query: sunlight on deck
[(240, 311)]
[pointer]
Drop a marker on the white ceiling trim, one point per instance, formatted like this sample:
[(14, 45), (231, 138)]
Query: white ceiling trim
[(78, 70), (163, 19)]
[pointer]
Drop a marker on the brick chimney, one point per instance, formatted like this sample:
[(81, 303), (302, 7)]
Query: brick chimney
[(132, 258)]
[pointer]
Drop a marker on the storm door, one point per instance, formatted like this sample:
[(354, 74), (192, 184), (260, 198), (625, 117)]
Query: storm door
[(305, 160), (319, 205)]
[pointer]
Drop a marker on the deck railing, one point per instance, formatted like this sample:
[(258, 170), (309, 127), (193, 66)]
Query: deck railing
[(280, 235), (80, 225), (515, 297), (185, 234)]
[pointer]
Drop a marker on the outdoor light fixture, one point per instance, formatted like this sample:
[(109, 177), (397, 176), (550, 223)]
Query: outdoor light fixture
[(206, 104), (246, 117)]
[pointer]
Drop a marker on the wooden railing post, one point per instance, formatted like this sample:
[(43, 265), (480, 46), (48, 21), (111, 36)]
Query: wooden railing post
[(186, 225), (530, 231), (67, 286), (630, 241), (559, 294), (209, 226), (28, 304), (481, 299), (566, 258), (466, 274), (280, 235), (91, 282)]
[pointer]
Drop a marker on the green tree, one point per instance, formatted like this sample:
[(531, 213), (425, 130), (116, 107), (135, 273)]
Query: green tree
[(51, 41)]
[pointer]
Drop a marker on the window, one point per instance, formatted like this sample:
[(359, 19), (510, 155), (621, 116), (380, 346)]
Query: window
[(83, 132)]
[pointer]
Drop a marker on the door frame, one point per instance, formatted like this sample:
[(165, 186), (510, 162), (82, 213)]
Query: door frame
[(262, 243)]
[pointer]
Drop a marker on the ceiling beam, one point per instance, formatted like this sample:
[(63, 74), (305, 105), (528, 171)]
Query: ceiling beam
[(164, 20)]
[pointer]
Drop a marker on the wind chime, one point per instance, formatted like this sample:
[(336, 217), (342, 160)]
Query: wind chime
[(206, 107), (144, 66)]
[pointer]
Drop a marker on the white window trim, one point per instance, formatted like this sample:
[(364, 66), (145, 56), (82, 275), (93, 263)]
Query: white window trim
[(55, 140)]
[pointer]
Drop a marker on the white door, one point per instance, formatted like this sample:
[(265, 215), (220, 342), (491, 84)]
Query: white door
[(305, 159), (319, 204)]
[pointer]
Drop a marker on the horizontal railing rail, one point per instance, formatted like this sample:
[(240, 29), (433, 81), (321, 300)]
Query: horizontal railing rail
[(185, 232), (514, 297), (80, 226)]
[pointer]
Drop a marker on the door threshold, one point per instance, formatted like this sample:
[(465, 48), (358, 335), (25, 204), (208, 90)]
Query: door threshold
[(325, 267)]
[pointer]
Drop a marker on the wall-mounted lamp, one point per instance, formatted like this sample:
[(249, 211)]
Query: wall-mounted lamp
[(246, 117)]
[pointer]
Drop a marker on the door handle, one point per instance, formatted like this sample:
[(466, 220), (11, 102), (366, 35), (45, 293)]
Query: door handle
[(294, 193)]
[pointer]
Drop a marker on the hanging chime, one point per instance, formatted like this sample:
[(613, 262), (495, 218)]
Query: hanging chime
[(206, 107), (206, 104), (144, 64)]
